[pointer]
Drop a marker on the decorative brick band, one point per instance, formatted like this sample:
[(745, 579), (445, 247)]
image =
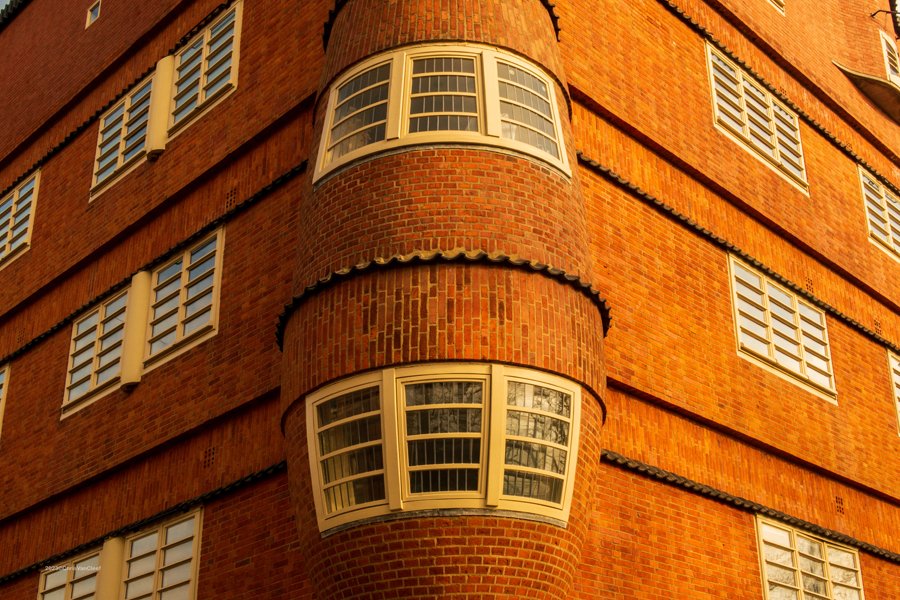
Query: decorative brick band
[(339, 4), (181, 507), (694, 227), (679, 12), (434, 256), (743, 504)]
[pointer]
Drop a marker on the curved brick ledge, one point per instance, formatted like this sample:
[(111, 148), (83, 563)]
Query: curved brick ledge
[(339, 4), (457, 255), (701, 231), (743, 504)]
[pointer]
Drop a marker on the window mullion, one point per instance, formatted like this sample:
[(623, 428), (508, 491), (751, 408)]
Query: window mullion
[(770, 331), (491, 87), (494, 464), (390, 427), (397, 84)]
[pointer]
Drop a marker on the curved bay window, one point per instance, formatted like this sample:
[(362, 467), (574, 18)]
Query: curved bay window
[(443, 436), (441, 94)]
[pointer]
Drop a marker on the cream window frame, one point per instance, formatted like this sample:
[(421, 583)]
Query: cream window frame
[(158, 553), (764, 331), (891, 56), (75, 574), (12, 207), (827, 560), (399, 498), (93, 13), (882, 209), (4, 385), (732, 116), (130, 346), (490, 130), (894, 370), (779, 5), (185, 341), (205, 100)]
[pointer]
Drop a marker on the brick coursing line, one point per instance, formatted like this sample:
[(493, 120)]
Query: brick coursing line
[(694, 227), (181, 507), (79, 129), (808, 119), (339, 4), (457, 255), (276, 183), (674, 480)]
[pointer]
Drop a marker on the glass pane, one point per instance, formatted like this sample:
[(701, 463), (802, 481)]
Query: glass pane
[(179, 593), (836, 556), (178, 552), (348, 405), (814, 584), (777, 592), (175, 575), (141, 566), (845, 593), (84, 587), (527, 395), (539, 427), (443, 480), (57, 594), (778, 574), (842, 575), (444, 392), (350, 434), (537, 456), (180, 531), (811, 565), (139, 587), (532, 485), (55, 578), (144, 544), (443, 420), (444, 451), (351, 493), (779, 555), (352, 463), (808, 546)]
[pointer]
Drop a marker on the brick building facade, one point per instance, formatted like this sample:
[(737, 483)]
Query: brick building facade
[(430, 298)]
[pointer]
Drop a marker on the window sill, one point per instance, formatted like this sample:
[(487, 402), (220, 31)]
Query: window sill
[(179, 347), (73, 406), (787, 375)]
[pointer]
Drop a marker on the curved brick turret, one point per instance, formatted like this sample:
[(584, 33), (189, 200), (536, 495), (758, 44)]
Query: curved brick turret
[(420, 250)]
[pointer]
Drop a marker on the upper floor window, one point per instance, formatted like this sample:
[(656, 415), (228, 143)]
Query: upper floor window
[(123, 133), (443, 436), (891, 58), (777, 328), (73, 580), (439, 93), (750, 115), (4, 377), (800, 566), (161, 314), (206, 67), (93, 14), (882, 213), (17, 217), (894, 365)]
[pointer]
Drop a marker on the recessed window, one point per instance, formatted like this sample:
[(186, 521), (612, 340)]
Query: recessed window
[(439, 93), (894, 365), (16, 218), (882, 213), (93, 14), (750, 115), (162, 562), (184, 299), (776, 328), (4, 378), (443, 436), (97, 342), (891, 58), (799, 566), (73, 580), (123, 133), (206, 68)]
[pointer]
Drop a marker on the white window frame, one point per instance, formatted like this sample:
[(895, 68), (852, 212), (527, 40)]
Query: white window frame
[(744, 323), (494, 437), (882, 209), (10, 218), (781, 121), (4, 386), (891, 56), (894, 370), (185, 341), (205, 100), (159, 554), (797, 548), (76, 574), (488, 101)]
